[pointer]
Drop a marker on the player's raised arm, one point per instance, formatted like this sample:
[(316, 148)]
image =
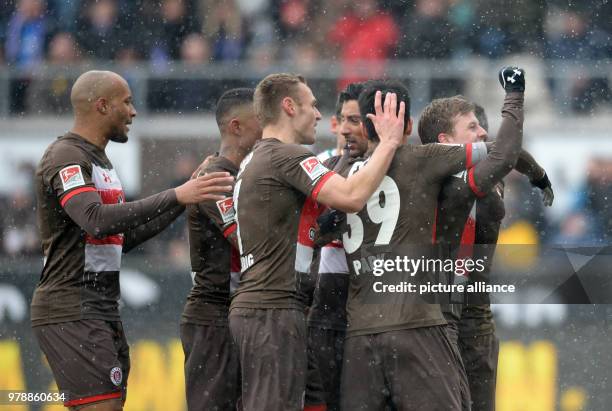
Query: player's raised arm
[(504, 153), (351, 194), (529, 167)]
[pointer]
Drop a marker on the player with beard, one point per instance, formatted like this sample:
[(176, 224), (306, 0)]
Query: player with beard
[(274, 198), (85, 225), (470, 210), (388, 343), (212, 378), (327, 314)]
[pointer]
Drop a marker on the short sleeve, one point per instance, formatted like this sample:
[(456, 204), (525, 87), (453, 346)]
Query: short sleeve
[(299, 168), (221, 212), (69, 173)]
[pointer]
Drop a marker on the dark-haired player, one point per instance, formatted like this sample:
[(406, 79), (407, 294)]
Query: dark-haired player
[(275, 194), (212, 378), (327, 313), (85, 226), (399, 353)]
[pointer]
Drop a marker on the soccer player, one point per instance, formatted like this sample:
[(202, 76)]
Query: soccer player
[(334, 122), (399, 353), (470, 212), (327, 314), (270, 198), (85, 225), (212, 377)]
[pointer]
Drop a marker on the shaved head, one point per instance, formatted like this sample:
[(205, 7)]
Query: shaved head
[(93, 85), (103, 100)]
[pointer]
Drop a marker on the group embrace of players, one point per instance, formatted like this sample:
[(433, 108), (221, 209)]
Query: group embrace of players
[(277, 318)]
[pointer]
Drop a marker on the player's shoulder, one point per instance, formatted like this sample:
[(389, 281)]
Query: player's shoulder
[(64, 150), (220, 164)]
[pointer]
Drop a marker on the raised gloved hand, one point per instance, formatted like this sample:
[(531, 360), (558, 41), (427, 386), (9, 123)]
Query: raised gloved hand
[(512, 79), (545, 185)]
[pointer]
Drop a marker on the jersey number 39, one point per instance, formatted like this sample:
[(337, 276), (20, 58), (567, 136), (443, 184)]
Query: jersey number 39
[(382, 208)]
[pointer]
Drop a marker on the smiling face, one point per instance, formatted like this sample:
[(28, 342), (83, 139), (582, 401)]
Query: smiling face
[(466, 129), (121, 112), (350, 127), (306, 115)]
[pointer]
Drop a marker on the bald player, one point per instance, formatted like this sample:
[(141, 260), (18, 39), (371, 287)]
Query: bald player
[(85, 225)]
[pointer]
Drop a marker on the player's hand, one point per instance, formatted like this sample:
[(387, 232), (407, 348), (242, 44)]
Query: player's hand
[(387, 120), (544, 184), (203, 166), (207, 187), (512, 79)]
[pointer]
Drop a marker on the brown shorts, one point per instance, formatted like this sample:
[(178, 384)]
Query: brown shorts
[(272, 346), (325, 347), (413, 369), (212, 371), (90, 359)]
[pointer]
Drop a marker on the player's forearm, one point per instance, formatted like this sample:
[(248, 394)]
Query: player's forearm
[(101, 220), (133, 238), (528, 166), (502, 155)]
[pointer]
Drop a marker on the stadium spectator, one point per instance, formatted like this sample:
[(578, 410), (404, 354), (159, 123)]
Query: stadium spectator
[(224, 27), (427, 33), (97, 33), (363, 34), (52, 95), (168, 29), (26, 34)]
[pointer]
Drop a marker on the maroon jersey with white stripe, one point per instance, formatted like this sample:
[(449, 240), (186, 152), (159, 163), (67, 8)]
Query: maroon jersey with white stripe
[(275, 202), (80, 277)]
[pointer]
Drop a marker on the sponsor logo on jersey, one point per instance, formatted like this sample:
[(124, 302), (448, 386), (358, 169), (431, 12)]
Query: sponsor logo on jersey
[(313, 167), (226, 209), (72, 176), (116, 376)]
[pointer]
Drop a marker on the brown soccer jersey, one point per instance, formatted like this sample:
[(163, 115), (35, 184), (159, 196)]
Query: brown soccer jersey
[(401, 212), (80, 277), (274, 198), (213, 258)]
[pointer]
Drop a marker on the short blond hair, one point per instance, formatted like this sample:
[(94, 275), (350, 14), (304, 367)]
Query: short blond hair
[(271, 91), (439, 115)]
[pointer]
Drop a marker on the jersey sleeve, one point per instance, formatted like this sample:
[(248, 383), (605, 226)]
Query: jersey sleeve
[(299, 168), (220, 212), (444, 160), (69, 173)]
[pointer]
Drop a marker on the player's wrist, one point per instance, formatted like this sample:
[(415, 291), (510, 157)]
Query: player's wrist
[(542, 182)]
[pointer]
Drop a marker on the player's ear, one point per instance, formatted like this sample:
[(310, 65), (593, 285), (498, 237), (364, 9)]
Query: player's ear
[(288, 106), (101, 105), (445, 138), (234, 126), (408, 129)]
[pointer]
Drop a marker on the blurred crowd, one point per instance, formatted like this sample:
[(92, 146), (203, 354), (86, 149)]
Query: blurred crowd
[(261, 32)]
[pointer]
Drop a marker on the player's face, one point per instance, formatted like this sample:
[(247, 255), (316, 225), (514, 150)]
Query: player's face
[(467, 130), (306, 115), (251, 129), (350, 128), (122, 112)]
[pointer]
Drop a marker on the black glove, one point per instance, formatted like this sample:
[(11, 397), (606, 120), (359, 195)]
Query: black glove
[(331, 222), (512, 79), (545, 185)]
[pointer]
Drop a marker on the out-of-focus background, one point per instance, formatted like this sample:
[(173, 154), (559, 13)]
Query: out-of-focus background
[(180, 55)]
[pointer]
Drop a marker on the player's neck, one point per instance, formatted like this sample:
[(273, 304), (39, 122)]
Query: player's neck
[(282, 132), (233, 154), (90, 134)]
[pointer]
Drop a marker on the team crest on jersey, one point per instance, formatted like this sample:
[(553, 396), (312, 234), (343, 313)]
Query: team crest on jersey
[(72, 176), (116, 376), (313, 167), (226, 209)]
